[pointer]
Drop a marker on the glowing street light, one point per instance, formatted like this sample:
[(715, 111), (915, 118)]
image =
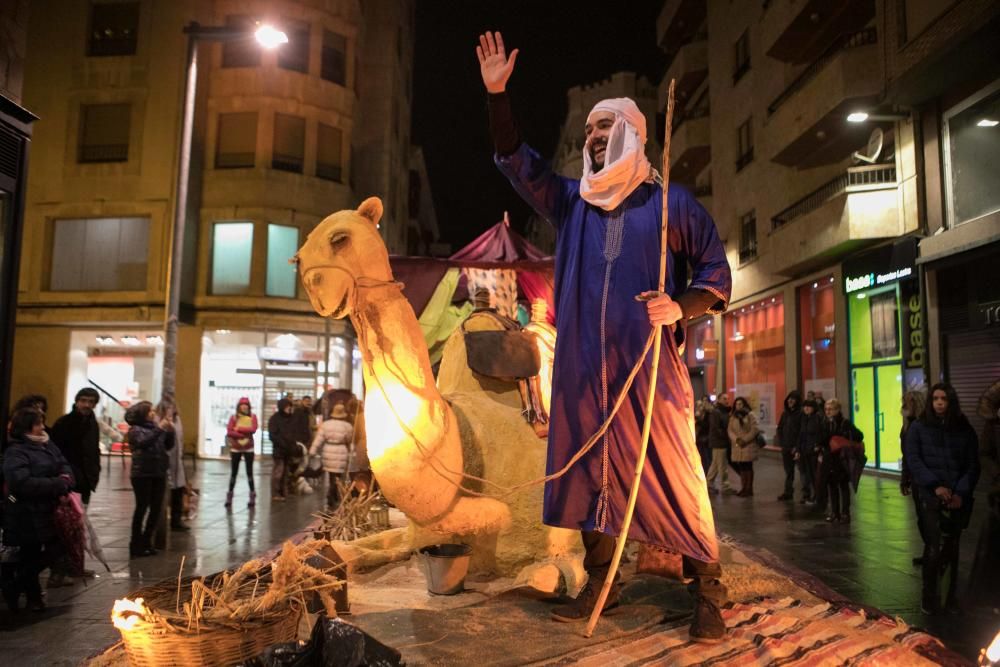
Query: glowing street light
[(857, 117), (270, 37)]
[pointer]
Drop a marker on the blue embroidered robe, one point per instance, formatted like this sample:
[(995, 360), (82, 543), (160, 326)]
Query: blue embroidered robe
[(603, 260)]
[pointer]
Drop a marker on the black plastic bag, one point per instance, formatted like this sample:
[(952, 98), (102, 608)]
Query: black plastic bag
[(333, 643)]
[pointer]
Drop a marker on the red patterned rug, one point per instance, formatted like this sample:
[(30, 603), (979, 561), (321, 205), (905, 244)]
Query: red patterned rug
[(782, 632)]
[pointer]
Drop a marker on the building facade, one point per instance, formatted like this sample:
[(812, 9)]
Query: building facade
[(275, 150)]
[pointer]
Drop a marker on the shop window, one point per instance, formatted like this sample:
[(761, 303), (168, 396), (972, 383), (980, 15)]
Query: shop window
[(295, 54), (289, 143), (874, 317), (113, 29), (333, 64), (244, 52), (104, 132), (755, 358), (748, 237), (237, 141), (282, 244), (329, 153), (232, 253), (741, 56), (701, 354), (817, 335), (99, 255), (972, 133), (744, 144)]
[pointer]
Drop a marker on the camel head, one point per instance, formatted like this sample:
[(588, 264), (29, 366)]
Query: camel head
[(343, 249)]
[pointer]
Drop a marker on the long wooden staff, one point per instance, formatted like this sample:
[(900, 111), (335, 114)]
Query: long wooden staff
[(647, 423)]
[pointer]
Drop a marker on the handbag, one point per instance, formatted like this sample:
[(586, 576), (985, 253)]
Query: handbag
[(839, 442)]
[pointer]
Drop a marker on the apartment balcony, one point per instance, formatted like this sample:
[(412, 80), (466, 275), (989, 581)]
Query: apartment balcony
[(797, 32), (678, 22), (689, 69), (690, 147), (807, 121), (855, 208)]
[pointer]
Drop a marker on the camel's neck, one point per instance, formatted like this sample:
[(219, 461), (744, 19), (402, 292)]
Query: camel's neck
[(394, 353)]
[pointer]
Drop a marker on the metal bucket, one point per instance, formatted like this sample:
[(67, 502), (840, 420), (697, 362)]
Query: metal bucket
[(447, 565)]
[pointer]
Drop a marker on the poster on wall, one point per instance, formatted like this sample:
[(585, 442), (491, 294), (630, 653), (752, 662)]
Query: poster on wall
[(763, 402), (825, 386)]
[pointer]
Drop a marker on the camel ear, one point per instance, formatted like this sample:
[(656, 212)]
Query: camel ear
[(371, 208)]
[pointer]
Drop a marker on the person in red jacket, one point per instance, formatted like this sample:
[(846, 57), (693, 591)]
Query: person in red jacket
[(239, 438)]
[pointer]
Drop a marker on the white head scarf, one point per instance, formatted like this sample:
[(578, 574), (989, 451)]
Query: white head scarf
[(625, 163)]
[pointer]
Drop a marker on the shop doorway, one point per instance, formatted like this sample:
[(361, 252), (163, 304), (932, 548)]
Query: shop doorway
[(876, 397)]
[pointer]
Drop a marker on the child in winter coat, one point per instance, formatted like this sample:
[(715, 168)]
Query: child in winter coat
[(335, 435), (239, 438)]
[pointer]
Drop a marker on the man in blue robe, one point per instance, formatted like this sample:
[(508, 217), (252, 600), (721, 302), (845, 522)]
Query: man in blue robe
[(607, 255)]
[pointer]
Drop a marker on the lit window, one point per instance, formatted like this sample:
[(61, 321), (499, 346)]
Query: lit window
[(237, 140), (289, 143), (329, 153), (113, 28), (295, 54), (282, 244), (232, 252), (104, 132), (99, 254), (244, 52), (333, 64)]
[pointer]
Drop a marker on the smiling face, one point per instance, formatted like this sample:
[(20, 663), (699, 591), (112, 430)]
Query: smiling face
[(343, 248), (597, 131)]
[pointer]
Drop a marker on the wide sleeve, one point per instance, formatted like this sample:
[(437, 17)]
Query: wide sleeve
[(914, 451), (318, 439), (694, 233), (532, 177), (231, 429)]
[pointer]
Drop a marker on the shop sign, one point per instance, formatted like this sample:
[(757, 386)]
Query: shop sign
[(121, 351), (882, 266), (288, 354), (986, 315), (914, 345)]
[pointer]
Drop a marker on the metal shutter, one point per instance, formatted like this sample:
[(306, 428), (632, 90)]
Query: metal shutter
[(972, 361)]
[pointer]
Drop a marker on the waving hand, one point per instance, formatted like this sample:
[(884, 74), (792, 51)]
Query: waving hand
[(494, 65)]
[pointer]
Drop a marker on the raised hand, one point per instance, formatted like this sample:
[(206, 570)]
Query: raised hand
[(494, 65)]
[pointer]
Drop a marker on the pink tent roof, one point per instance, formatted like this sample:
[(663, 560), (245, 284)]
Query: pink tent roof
[(499, 244)]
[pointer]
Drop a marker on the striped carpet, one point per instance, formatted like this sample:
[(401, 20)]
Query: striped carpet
[(783, 632)]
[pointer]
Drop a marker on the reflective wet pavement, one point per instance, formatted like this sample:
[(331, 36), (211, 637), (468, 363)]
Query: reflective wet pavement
[(868, 561), (77, 623)]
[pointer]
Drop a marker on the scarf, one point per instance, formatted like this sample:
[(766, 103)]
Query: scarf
[(625, 163), (40, 439)]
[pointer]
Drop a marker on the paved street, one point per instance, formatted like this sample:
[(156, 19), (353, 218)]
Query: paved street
[(77, 622), (868, 561)]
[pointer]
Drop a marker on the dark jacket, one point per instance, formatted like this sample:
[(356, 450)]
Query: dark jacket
[(943, 456), (301, 430), (790, 422), (149, 445), (842, 426), (280, 428), (810, 433), (718, 427), (78, 438), (33, 485)]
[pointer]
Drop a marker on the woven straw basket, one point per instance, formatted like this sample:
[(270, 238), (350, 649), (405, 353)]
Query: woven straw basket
[(151, 645)]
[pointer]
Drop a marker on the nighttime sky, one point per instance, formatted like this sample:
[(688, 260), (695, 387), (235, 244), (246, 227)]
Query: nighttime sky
[(562, 44)]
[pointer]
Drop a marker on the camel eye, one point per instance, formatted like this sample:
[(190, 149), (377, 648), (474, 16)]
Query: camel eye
[(338, 241)]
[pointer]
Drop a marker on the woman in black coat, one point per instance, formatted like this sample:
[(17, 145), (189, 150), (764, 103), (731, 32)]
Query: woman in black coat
[(149, 439), (942, 455), (837, 475), (36, 476)]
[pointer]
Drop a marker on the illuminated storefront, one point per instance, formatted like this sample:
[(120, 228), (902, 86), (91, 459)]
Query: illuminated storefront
[(701, 354), (817, 337), (755, 358), (885, 343), (265, 366)]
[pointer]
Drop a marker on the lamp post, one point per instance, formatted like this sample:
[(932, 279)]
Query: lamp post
[(267, 37)]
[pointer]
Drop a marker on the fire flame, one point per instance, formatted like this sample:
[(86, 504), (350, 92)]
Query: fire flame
[(127, 613), (993, 652)]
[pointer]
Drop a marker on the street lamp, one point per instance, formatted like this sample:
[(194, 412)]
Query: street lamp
[(267, 37)]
